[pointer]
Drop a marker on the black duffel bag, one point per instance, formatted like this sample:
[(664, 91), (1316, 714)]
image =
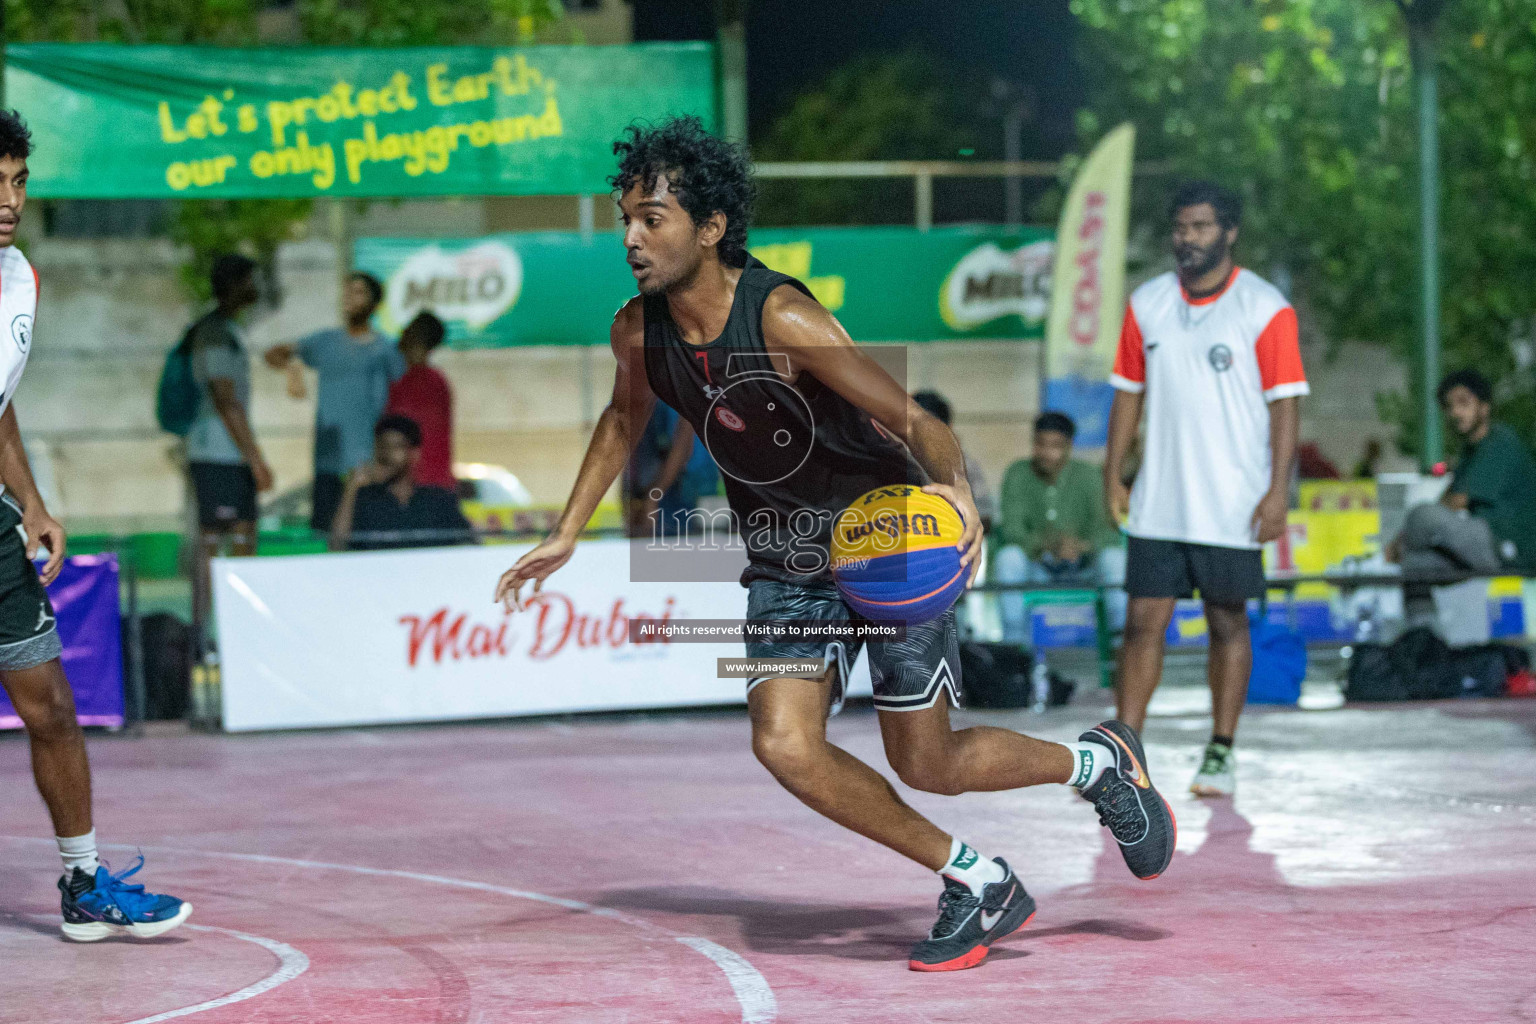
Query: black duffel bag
[(1419, 666), (1415, 666), (1482, 671), (1375, 675), (995, 675), (1000, 675)]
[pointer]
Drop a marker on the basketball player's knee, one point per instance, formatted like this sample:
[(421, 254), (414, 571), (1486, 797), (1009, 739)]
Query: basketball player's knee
[(928, 770), (48, 715), (1227, 625), (789, 755), (1144, 625)]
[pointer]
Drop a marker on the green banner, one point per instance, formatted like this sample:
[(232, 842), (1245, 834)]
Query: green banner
[(114, 122), (884, 284)]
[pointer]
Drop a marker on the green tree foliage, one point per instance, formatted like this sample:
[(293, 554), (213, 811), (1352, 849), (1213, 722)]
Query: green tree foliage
[(881, 107), (222, 22), (258, 226), (1309, 106), (418, 22)]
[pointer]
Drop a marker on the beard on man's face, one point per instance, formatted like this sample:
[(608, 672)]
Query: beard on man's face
[(666, 277), (1197, 260)]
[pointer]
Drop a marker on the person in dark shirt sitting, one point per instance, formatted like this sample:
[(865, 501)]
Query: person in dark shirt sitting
[(1486, 520), (383, 497)]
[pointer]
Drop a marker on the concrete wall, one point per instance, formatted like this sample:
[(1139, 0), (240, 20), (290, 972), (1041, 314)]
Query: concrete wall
[(111, 309)]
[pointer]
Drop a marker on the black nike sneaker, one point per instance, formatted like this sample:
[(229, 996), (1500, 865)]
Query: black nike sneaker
[(1135, 814), (967, 925)]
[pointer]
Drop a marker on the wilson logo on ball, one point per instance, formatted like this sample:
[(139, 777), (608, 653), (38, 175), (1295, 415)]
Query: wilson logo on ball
[(894, 554), (893, 525)]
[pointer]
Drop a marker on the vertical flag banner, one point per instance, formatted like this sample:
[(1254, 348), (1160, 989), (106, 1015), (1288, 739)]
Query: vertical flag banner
[(1088, 289)]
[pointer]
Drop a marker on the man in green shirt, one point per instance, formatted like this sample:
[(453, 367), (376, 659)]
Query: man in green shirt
[(1052, 527), (1486, 520)]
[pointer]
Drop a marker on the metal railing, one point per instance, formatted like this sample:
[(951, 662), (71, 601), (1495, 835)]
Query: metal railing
[(922, 173)]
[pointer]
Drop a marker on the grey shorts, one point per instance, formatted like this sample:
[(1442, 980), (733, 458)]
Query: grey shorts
[(908, 675), (28, 636)]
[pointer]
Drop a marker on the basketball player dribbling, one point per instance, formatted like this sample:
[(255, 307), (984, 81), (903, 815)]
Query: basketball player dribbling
[(96, 904), (796, 445)]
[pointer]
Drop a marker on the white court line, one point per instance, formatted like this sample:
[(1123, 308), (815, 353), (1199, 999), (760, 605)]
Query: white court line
[(751, 989), (290, 964), (757, 1003)]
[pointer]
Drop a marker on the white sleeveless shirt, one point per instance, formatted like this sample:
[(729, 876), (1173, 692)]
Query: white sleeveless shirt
[(18, 307)]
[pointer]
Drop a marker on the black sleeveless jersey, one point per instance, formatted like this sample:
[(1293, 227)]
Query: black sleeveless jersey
[(792, 456)]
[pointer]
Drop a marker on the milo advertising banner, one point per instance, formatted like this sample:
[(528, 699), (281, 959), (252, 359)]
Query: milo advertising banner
[(884, 284)]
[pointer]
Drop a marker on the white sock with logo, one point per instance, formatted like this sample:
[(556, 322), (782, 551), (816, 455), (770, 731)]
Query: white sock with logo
[(1088, 762), (78, 852), (968, 866)]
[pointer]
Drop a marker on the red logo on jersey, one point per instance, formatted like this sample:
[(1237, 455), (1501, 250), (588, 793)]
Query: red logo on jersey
[(729, 419)]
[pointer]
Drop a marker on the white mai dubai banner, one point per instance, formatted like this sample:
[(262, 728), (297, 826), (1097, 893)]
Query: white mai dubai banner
[(413, 636)]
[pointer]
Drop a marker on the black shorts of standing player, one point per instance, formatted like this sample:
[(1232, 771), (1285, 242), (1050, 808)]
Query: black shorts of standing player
[(910, 674), (1173, 568), (226, 494), (28, 636)]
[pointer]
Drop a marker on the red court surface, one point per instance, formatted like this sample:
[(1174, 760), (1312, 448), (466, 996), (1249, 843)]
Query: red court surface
[(1377, 865)]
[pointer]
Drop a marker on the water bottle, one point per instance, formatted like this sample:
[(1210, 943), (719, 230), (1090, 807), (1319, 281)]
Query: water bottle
[(1039, 687)]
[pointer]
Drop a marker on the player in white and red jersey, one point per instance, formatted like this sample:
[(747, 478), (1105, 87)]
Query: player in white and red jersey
[(1210, 353), (95, 902)]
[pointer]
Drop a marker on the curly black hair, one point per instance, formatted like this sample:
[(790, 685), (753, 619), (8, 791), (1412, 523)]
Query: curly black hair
[(706, 173), (15, 136), (1227, 204), (1470, 379)]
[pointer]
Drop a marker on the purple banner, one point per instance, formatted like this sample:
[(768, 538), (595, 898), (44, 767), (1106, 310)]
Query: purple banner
[(85, 601)]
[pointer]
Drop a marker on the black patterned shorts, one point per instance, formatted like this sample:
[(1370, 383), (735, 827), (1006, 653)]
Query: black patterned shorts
[(27, 633), (908, 675)]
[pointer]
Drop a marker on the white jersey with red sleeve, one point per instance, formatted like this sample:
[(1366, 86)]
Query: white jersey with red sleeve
[(18, 307), (1209, 368)]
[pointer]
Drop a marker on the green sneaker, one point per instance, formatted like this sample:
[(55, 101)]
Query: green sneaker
[(1218, 772)]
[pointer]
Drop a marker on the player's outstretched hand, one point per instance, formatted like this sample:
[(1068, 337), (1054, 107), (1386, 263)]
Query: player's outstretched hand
[(44, 531), (536, 565), (971, 539)]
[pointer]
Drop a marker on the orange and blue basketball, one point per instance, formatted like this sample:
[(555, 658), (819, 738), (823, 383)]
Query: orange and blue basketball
[(894, 557)]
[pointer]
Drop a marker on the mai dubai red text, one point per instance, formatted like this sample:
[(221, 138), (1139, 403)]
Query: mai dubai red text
[(557, 625)]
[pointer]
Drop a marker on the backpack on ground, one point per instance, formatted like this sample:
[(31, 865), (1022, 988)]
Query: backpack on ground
[(178, 395), (1279, 663), (1419, 666)]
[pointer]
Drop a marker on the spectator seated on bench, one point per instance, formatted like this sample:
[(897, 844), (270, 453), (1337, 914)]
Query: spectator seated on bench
[(383, 497), (1053, 527), (1486, 520)]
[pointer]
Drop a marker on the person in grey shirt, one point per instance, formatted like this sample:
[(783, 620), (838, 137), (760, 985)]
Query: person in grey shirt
[(356, 365), (223, 459)]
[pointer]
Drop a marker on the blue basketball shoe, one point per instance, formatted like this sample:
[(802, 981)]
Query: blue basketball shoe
[(95, 908)]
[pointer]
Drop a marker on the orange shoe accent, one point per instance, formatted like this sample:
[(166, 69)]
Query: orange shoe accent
[(970, 959), (1021, 927), (1141, 773), (1175, 838), (959, 963)]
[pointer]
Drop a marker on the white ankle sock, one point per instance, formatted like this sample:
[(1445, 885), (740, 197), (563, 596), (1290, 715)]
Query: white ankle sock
[(1088, 762), (78, 852), (968, 866)]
